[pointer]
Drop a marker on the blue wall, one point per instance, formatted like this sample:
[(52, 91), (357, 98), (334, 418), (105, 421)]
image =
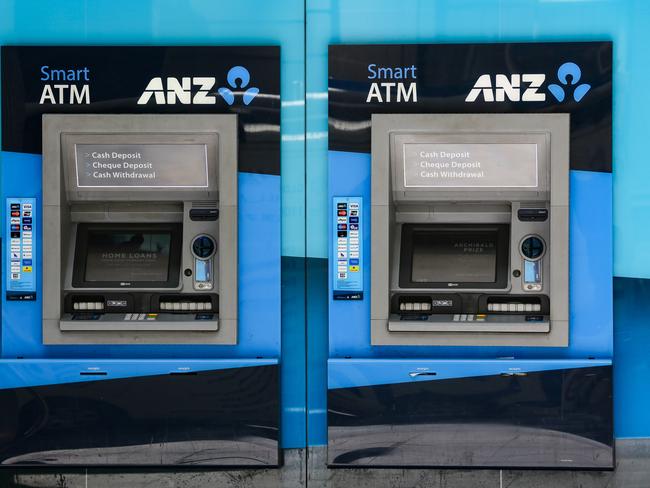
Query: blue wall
[(304, 215)]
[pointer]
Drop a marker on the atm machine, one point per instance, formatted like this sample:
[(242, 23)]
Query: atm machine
[(470, 230), (141, 322), (461, 332), (137, 247)]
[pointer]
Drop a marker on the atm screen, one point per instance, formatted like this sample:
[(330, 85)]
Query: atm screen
[(127, 255), (458, 256)]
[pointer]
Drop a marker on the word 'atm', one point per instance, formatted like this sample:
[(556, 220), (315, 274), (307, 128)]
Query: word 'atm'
[(140, 229), (470, 229)]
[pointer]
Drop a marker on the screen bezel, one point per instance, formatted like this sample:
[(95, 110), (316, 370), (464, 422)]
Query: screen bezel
[(502, 255), (81, 253)]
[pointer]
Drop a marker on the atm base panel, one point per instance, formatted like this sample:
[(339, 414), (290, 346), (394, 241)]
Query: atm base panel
[(559, 419), (216, 416)]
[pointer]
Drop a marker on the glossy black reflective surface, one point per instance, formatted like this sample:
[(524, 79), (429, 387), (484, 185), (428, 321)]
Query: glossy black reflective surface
[(445, 75), (548, 419), (227, 417), (120, 74)]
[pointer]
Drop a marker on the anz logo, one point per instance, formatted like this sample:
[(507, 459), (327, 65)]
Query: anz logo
[(527, 87), (565, 71), (199, 90), (238, 77)]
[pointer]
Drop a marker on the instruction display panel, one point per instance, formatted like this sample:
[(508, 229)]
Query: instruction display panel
[(433, 165), (141, 165)]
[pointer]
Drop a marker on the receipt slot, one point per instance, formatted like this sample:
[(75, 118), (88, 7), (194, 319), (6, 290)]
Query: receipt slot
[(140, 229), (470, 229)]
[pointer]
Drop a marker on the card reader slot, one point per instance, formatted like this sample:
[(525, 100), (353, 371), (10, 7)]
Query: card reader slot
[(532, 214), (204, 214)]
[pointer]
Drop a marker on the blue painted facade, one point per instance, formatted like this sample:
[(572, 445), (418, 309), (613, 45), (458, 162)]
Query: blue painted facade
[(303, 188)]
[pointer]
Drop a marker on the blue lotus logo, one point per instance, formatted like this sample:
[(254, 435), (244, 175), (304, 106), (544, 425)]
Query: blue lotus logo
[(564, 72), (238, 78)]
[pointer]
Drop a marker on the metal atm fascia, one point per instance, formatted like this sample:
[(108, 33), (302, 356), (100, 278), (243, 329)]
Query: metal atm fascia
[(66, 205), (393, 204)]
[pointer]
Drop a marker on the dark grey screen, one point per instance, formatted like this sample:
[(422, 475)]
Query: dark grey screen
[(127, 256), (440, 257)]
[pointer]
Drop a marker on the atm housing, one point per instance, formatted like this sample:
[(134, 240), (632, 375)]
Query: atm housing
[(470, 264), (177, 282)]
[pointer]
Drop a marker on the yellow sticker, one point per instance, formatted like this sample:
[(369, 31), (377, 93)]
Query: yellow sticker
[(354, 269), (27, 269)]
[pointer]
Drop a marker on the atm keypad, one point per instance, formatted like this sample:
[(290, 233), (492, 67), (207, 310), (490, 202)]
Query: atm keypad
[(468, 317), (134, 316), (185, 306), (514, 307), (88, 306), (414, 306)]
